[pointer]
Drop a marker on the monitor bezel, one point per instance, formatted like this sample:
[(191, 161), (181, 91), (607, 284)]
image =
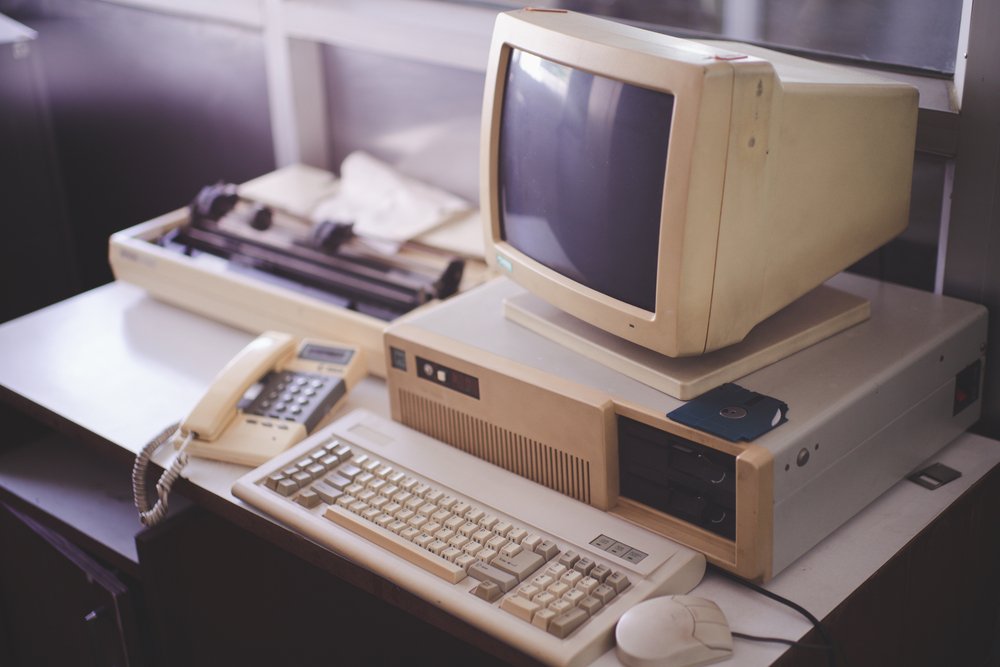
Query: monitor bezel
[(701, 80)]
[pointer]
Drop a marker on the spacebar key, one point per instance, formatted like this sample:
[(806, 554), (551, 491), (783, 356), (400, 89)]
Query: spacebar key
[(397, 545)]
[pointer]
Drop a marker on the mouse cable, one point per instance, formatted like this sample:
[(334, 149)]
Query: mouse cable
[(780, 640), (834, 649)]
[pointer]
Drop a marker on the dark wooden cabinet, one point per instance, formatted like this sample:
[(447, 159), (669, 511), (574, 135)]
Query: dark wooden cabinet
[(59, 605), (82, 582)]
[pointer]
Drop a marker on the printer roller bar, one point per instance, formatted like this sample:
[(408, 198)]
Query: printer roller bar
[(394, 288)]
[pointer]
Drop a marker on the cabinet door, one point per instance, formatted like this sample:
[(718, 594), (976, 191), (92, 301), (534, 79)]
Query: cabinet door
[(58, 606)]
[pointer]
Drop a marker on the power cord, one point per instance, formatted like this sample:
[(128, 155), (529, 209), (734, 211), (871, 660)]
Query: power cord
[(829, 645)]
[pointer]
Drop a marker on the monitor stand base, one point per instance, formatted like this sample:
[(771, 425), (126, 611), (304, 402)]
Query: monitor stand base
[(815, 316)]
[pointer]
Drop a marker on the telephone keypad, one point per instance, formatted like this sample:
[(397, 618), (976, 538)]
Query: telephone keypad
[(297, 397)]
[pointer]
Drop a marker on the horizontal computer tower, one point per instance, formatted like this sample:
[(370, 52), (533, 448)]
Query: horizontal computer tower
[(863, 409)]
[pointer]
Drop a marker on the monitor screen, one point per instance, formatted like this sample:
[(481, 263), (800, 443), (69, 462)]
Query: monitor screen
[(581, 175)]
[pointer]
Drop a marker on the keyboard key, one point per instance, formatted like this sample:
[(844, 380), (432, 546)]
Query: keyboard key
[(560, 606), (542, 618), (584, 566), (485, 572), (517, 534), (588, 584), (604, 593), (528, 591), (618, 581), (511, 549), (496, 543), (308, 499), (558, 588), (520, 565), (337, 481), (548, 549), (474, 514), (573, 596), (589, 604), (287, 487), (555, 570), (531, 542), (487, 590), (464, 561), (600, 572), (521, 607), (349, 471), (326, 492), (544, 598), (563, 624), (569, 558)]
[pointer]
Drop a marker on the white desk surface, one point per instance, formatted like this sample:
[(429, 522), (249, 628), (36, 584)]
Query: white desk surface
[(123, 366)]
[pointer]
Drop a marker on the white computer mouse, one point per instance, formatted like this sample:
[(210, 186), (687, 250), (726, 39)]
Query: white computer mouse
[(673, 631)]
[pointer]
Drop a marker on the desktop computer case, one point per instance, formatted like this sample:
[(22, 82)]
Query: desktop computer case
[(866, 407)]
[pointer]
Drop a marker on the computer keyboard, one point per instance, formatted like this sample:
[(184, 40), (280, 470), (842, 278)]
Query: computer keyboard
[(537, 569)]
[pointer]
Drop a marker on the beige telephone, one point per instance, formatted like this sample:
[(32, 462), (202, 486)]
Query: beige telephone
[(271, 395)]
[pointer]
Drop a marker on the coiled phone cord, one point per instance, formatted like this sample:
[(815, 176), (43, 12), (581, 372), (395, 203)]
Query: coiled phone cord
[(150, 516)]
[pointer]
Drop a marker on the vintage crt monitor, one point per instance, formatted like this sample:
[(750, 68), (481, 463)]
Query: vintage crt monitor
[(675, 194), (669, 205)]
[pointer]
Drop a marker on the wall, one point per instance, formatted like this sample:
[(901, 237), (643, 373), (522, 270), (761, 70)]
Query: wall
[(145, 109)]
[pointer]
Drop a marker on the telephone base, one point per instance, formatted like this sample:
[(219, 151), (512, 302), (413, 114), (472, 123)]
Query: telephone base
[(250, 440)]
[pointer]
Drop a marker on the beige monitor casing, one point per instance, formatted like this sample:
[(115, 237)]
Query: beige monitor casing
[(780, 173)]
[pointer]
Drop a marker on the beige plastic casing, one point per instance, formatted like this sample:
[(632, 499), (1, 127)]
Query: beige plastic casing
[(780, 173)]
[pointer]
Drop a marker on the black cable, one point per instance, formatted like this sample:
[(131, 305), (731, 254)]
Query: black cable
[(781, 640), (833, 648)]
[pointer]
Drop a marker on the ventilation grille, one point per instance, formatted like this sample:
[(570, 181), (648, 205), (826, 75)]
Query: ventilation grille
[(567, 474)]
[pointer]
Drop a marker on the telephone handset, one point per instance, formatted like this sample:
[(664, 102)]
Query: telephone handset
[(271, 395), (218, 406)]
